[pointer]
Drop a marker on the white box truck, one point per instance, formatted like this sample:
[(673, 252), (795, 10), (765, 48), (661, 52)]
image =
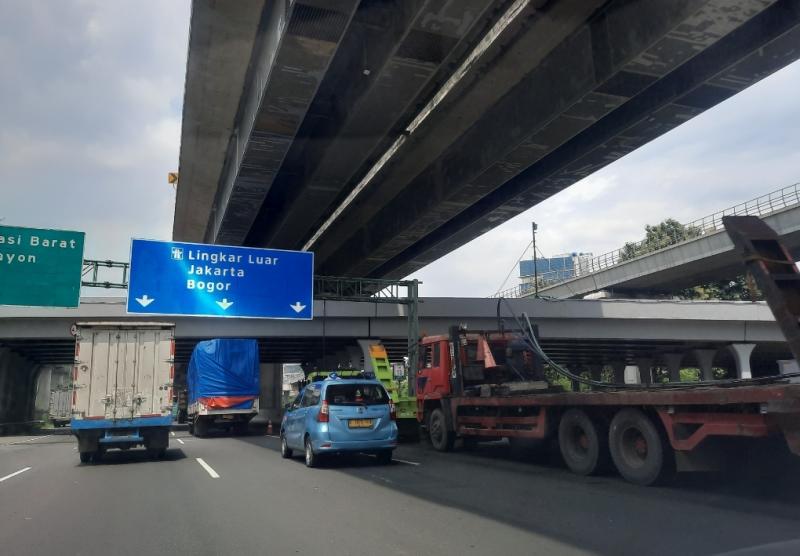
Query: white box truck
[(122, 387), (60, 409)]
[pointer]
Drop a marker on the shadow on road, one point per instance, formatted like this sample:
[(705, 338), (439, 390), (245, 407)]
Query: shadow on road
[(700, 513), (134, 455)]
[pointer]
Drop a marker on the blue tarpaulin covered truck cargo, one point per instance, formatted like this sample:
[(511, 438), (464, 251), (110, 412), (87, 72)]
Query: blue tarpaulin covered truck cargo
[(223, 383)]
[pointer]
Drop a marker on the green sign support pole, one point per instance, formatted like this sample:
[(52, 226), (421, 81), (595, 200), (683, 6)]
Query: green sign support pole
[(40, 268)]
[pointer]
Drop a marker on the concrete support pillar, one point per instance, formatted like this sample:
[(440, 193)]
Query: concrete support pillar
[(630, 374), (705, 361), (618, 367), (364, 345), (645, 365), (673, 363), (269, 402), (741, 354), (596, 371), (41, 404), (356, 357)]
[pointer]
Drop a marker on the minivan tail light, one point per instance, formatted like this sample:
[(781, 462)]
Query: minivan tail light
[(392, 411), (323, 416)]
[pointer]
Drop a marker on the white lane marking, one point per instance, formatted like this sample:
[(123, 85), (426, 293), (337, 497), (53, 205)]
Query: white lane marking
[(406, 461), (172, 433), (395, 459), (181, 441), (36, 438), (208, 468), (14, 474)]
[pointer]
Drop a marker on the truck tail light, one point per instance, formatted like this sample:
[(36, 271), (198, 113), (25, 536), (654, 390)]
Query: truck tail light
[(323, 416), (392, 411)]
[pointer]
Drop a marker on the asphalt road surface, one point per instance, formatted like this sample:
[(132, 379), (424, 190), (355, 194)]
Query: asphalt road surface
[(237, 496)]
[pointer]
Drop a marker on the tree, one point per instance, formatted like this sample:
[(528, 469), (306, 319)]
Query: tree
[(669, 232)]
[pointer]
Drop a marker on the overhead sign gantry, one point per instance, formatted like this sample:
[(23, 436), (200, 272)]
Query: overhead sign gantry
[(176, 278)]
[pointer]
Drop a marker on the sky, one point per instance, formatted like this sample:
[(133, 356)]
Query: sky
[(90, 115)]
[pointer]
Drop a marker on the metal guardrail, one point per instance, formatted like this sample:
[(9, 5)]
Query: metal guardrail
[(764, 205)]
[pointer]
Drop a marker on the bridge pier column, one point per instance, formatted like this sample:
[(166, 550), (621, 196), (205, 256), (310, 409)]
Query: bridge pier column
[(269, 402), (356, 356), (364, 345), (705, 361), (673, 362), (741, 354), (645, 365)]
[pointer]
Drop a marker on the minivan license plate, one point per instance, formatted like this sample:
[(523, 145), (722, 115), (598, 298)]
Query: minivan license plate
[(359, 423)]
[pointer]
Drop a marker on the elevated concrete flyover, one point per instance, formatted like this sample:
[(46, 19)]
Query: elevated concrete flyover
[(382, 135), (572, 331), (709, 257)]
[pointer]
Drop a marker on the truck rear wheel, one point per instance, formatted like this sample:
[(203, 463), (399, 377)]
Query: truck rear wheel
[(583, 442), (442, 439), (200, 428), (641, 454)]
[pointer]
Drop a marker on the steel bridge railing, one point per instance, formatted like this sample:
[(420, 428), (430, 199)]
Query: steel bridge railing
[(764, 205)]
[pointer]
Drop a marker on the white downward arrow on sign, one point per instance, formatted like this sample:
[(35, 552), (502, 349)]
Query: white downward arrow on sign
[(144, 301), (225, 304), (297, 306)]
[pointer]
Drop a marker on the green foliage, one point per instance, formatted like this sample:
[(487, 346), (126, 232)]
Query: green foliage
[(669, 232), (691, 374), (555, 379), (738, 289)]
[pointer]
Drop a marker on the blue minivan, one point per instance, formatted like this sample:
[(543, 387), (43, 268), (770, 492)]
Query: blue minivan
[(338, 415)]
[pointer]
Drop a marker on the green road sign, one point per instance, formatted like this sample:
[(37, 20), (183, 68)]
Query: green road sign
[(40, 268)]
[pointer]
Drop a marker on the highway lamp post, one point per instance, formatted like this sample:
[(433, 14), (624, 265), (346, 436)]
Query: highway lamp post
[(535, 270)]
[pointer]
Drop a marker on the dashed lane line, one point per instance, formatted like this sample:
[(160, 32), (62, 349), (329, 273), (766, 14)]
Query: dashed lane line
[(172, 433), (181, 441), (14, 474), (406, 461), (208, 468)]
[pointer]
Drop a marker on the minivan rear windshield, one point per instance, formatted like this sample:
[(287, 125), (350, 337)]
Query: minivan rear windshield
[(356, 394)]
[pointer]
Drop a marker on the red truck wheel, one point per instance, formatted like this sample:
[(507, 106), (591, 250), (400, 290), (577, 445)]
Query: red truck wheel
[(442, 439), (640, 452), (583, 442)]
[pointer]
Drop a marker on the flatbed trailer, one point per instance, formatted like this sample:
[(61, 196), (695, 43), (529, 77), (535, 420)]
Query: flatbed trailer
[(646, 433), (469, 387)]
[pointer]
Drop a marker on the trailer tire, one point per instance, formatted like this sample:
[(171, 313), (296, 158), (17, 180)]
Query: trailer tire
[(442, 439), (583, 443), (641, 453), (200, 428)]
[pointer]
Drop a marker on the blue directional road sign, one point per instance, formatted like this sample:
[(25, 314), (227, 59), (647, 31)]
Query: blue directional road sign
[(172, 278)]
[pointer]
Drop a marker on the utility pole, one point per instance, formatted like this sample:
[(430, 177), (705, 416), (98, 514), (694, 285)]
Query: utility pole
[(535, 265)]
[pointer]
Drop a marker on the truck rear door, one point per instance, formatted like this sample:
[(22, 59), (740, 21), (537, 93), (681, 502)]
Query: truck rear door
[(121, 373)]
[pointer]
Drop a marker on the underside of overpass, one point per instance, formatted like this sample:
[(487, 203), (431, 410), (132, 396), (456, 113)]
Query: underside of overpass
[(383, 134)]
